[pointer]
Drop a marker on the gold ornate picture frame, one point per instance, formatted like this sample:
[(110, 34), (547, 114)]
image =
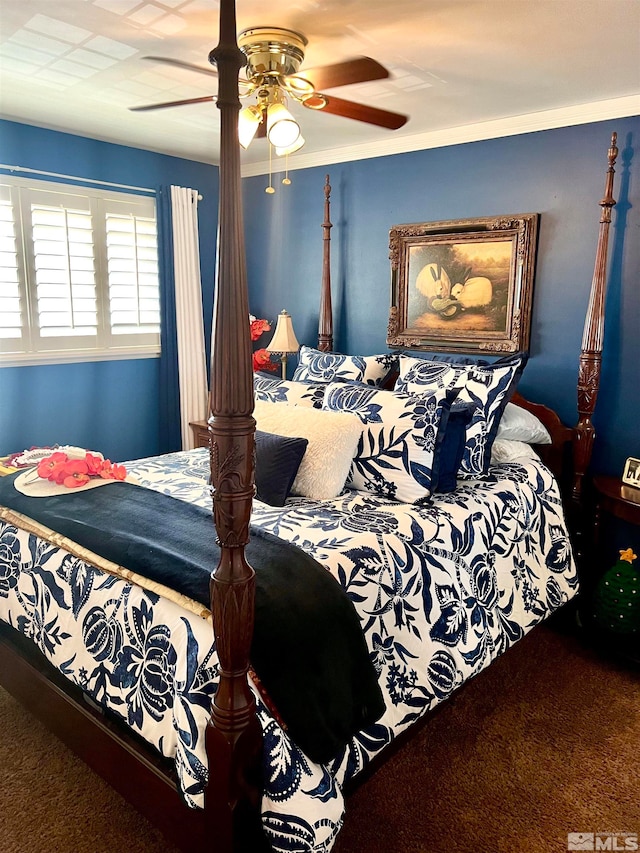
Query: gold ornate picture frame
[(464, 285)]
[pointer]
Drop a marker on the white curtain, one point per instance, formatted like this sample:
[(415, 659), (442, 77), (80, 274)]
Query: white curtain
[(192, 370)]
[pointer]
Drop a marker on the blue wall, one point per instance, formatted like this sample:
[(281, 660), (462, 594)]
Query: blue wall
[(111, 406), (558, 173), (114, 406)]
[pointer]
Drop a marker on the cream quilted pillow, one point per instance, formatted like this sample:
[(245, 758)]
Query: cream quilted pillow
[(333, 438)]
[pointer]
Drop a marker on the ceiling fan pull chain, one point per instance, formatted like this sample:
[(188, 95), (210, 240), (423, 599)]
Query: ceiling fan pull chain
[(286, 181), (270, 189)]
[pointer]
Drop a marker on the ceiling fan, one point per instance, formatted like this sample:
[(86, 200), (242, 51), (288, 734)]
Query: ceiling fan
[(272, 75)]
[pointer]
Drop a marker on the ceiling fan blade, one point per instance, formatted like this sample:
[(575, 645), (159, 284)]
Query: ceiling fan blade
[(361, 69), (203, 100), (180, 64), (363, 112), (261, 132)]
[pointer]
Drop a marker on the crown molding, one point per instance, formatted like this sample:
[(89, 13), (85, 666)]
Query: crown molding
[(512, 126)]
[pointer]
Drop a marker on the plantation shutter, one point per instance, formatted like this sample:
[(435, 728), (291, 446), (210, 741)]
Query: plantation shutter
[(132, 269), (61, 258), (78, 273), (12, 332)]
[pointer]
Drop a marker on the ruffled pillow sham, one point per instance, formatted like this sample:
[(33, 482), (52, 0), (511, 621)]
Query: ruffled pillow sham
[(316, 366), (397, 454), (487, 387)]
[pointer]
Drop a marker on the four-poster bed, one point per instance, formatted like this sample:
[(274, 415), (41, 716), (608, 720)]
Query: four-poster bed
[(244, 741)]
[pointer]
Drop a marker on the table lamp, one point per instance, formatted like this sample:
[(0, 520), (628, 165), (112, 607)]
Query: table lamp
[(284, 340)]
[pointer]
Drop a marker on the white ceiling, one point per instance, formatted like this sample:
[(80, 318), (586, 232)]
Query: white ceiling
[(461, 69)]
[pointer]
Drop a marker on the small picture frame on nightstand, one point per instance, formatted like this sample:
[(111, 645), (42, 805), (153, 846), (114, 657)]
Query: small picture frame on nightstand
[(631, 473)]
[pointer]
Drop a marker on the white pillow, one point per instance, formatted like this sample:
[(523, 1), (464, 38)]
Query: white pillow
[(518, 424), (333, 438), (504, 450)]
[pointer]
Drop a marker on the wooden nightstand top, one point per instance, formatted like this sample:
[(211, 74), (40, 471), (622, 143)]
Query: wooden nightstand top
[(617, 498), (200, 433)]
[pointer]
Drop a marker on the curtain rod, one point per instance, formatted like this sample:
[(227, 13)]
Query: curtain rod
[(75, 178)]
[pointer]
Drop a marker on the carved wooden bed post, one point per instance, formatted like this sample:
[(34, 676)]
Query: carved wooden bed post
[(325, 323), (592, 342), (233, 735)]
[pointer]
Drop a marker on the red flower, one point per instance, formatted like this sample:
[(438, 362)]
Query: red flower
[(262, 360), (74, 473), (258, 328), (118, 472), (49, 468), (94, 464), (111, 471)]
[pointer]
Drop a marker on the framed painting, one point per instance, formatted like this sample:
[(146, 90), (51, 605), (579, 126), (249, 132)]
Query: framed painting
[(464, 285)]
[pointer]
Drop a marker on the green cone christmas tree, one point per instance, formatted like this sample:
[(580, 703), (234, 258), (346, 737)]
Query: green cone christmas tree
[(616, 601)]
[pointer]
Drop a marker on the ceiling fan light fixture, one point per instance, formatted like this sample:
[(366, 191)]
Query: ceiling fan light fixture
[(282, 129), (248, 122)]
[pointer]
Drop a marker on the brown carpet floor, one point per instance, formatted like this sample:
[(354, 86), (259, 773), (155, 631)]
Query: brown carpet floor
[(545, 742)]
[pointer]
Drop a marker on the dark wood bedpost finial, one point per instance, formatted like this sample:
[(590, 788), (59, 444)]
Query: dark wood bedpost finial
[(592, 338), (325, 324), (233, 736)]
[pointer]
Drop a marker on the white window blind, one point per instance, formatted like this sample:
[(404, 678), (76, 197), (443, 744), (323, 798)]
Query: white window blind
[(79, 273), (11, 309), (132, 262), (62, 256)]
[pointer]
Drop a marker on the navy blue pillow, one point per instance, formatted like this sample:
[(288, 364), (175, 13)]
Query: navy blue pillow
[(278, 458), (452, 447)]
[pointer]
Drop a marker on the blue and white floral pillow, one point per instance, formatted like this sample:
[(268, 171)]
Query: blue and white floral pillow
[(273, 390), (317, 366), (487, 387), (398, 450)]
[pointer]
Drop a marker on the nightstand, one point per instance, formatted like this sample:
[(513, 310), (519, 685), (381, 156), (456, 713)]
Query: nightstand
[(613, 497), (609, 498), (200, 433)]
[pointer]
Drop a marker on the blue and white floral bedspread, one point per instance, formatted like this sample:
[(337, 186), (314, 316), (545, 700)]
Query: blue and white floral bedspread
[(441, 591)]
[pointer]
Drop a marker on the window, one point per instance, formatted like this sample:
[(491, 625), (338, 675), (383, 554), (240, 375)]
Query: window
[(78, 274)]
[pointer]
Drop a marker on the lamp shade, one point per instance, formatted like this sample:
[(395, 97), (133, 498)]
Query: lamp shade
[(248, 123), (282, 128), (284, 339), (297, 145)]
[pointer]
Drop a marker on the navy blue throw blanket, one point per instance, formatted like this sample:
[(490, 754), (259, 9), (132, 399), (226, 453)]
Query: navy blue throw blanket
[(308, 647)]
